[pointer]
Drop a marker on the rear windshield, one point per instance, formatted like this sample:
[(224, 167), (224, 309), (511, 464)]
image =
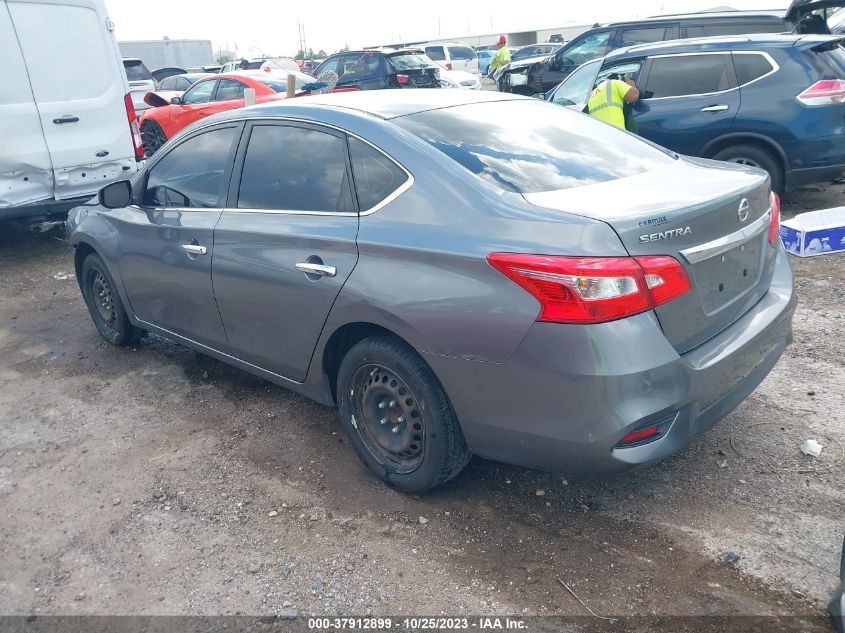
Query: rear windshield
[(834, 55), (528, 146), (461, 52), (404, 61), (136, 71)]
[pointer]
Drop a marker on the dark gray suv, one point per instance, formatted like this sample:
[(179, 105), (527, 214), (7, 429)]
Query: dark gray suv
[(460, 272)]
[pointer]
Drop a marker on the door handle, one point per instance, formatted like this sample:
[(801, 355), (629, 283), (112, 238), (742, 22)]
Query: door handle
[(66, 119), (316, 269), (194, 249), (715, 108)]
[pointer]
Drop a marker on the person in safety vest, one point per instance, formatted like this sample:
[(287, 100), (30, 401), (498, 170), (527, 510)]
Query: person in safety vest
[(503, 55), (608, 99)]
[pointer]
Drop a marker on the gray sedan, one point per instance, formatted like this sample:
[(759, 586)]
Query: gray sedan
[(458, 272)]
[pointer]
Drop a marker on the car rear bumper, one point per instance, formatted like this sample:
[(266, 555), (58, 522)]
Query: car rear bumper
[(570, 393)]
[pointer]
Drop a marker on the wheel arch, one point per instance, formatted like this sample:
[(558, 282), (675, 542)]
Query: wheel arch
[(748, 138), (82, 250)]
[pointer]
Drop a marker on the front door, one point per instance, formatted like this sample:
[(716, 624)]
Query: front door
[(194, 106), (167, 236), (285, 244), (686, 101)]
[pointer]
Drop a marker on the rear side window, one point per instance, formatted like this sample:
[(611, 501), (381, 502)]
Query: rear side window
[(278, 174), (229, 89), (631, 37), (750, 67), (191, 174), (136, 71), (744, 28), (461, 52), (376, 176), (436, 53), (680, 75), (528, 146)]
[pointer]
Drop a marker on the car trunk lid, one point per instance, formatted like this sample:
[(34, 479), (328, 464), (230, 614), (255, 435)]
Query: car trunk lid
[(714, 221)]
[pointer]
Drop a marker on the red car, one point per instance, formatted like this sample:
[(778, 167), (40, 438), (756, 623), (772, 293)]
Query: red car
[(210, 95)]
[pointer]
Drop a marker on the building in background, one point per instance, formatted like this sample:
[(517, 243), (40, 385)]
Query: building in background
[(167, 52), (515, 38)]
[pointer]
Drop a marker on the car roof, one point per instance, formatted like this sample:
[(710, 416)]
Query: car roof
[(728, 42), (385, 104), (696, 17)]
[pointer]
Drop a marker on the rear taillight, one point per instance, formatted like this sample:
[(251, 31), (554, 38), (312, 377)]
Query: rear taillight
[(593, 289), (133, 127), (403, 79), (774, 222), (824, 92)]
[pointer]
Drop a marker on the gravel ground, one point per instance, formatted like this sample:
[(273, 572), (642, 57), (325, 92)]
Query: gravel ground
[(155, 480)]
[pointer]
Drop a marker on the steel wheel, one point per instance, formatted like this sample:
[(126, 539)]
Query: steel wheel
[(154, 137), (742, 160), (103, 300), (386, 418)]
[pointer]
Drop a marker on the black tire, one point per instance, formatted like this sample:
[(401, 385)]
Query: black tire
[(429, 449), (154, 137), (756, 157), (105, 305)]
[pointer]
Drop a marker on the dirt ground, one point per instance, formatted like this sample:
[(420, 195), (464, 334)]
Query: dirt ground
[(156, 480)]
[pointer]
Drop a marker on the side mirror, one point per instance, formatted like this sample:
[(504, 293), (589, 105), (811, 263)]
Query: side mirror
[(539, 95), (176, 101), (116, 195)]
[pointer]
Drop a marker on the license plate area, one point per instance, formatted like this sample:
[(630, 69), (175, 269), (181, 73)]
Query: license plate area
[(723, 278)]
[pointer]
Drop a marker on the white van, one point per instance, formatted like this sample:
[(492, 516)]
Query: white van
[(68, 124), (453, 56)]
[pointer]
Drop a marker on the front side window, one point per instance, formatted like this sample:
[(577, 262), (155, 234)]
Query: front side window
[(682, 75), (200, 93), (578, 85), (632, 37), (168, 83), (436, 53), (750, 67), (376, 176), (279, 174), (528, 146), (592, 46), (228, 89), (191, 174)]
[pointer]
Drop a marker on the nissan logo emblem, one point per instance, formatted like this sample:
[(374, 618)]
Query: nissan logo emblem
[(742, 212)]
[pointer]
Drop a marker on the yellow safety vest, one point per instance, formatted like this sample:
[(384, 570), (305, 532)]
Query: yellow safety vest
[(607, 101)]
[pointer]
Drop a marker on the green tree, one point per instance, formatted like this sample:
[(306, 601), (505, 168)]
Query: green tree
[(321, 54)]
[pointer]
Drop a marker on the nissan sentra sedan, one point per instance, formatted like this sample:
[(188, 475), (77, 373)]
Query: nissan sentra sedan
[(458, 272)]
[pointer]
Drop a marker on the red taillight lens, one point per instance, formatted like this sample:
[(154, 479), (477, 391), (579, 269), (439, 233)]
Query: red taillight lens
[(403, 79), (639, 436), (133, 127), (593, 289), (774, 223), (824, 92)]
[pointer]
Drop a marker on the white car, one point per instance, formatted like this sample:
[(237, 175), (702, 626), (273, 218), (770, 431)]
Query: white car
[(68, 121), (459, 79), (141, 82), (453, 56), (262, 63)]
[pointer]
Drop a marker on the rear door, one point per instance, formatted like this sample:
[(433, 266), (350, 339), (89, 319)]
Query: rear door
[(25, 169), (686, 100), (285, 243), (167, 235), (79, 86)]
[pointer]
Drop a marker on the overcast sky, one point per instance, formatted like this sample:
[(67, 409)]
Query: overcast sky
[(260, 27)]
